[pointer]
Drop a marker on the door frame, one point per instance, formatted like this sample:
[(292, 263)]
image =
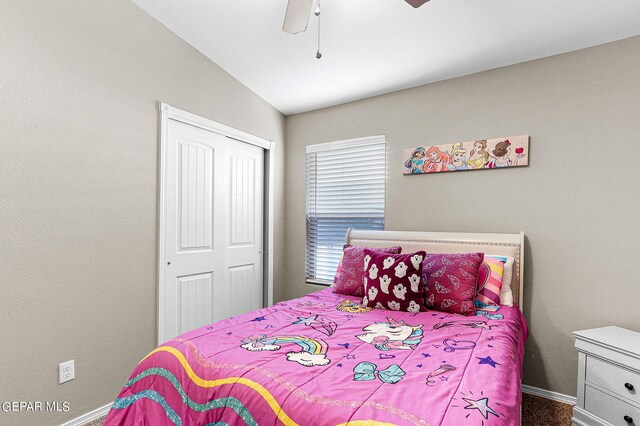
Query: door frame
[(167, 112)]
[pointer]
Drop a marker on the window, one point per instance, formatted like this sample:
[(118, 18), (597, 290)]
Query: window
[(345, 189)]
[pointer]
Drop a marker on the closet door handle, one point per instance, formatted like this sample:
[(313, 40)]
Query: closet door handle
[(629, 386)]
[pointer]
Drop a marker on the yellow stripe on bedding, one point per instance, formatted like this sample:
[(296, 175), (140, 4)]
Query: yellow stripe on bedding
[(496, 267), (264, 393)]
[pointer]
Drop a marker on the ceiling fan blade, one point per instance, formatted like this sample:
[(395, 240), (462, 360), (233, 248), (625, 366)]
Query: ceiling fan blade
[(416, 3), (297, 16)]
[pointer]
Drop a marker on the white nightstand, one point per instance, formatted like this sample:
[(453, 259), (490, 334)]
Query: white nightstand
[(608, 377)]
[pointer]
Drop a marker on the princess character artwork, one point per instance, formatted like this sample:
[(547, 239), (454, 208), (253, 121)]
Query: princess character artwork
[(502, 156), (478, 155), (512, 151), (415, 163), (459, 161), (437, 161)]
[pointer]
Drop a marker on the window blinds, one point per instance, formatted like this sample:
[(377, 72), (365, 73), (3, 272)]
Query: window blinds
[(345, 184)]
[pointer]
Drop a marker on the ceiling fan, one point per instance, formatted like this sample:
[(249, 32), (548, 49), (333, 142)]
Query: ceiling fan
[(298, 11)]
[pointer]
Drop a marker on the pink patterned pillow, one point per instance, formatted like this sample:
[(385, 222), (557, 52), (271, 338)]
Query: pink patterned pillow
[(451, 281), (392, 281), (490, 282), (348, 279)]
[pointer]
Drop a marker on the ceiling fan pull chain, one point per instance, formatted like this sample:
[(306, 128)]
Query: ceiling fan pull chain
[(317, 12)]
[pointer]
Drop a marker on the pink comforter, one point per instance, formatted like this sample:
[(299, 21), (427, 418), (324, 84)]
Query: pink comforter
[(324, 360)]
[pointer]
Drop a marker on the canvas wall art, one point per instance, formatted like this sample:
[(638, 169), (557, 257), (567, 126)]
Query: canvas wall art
[(497, 153)]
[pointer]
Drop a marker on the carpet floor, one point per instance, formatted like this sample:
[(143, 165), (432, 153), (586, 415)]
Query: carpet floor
[(536, 411)]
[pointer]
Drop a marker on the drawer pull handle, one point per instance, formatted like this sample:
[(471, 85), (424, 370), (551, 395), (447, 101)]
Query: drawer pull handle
[(628, 419), (629, 386)]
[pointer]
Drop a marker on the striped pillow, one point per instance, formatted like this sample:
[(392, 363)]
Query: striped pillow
[(489, 282)]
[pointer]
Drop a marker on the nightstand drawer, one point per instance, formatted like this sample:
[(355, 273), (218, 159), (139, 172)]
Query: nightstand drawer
[(611, 409), (616, 379)]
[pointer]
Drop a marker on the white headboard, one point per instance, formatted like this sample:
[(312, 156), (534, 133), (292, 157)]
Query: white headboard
[(451, 242)]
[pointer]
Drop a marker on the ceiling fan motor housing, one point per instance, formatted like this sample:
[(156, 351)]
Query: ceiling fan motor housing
[(416, 3)]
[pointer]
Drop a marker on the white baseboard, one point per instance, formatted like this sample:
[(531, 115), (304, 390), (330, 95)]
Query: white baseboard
[(89, 417), (560, 397)]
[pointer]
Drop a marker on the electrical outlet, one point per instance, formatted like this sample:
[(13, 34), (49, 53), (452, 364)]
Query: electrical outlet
[(66, 371)]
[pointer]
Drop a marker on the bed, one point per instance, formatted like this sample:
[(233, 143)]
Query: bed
[(320, 360)]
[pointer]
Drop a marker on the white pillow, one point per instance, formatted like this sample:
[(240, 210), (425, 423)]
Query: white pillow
[(506, 295)]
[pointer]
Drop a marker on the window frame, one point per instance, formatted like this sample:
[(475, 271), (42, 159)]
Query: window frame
[(336, 146)]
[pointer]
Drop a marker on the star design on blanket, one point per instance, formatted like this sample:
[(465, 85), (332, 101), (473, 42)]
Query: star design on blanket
[(259, 319), (488, 360), (481, 405), (307, 321), (318, 323)]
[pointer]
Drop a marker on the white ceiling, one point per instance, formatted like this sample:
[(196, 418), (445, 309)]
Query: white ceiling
[(370, 47)]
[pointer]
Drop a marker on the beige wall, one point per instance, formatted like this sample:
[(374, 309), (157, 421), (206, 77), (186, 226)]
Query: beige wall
[(577, 203), (79, 85)]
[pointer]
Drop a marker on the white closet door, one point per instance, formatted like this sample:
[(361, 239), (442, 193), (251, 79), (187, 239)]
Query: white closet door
[(213, 228), (244, 283)]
